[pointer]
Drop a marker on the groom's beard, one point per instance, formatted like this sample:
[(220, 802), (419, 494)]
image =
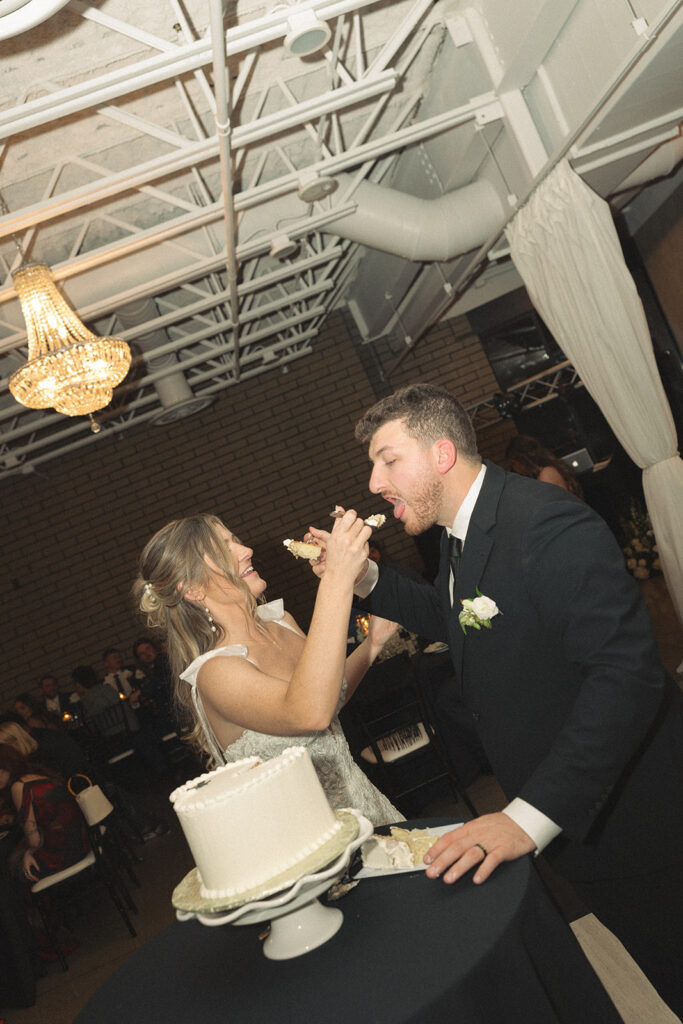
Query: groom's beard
[(423, 506)]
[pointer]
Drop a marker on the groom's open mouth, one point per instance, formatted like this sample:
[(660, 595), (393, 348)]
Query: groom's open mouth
[(398, 503)]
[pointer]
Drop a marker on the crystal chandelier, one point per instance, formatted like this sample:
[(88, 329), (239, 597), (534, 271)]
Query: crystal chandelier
[(69, 368)]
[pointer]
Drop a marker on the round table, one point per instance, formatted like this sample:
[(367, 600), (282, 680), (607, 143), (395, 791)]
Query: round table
[(410, 949)]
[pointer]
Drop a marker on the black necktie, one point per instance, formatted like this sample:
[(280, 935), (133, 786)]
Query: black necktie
[(454, 553)]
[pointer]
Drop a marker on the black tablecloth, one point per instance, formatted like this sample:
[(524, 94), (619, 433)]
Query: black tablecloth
[(410, 949)]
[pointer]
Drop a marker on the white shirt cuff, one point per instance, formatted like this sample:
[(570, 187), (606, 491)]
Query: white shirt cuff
[(537, 825), (367, 584)]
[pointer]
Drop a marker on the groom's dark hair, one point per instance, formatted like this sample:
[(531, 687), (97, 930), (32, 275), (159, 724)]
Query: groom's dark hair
[(428, 413)]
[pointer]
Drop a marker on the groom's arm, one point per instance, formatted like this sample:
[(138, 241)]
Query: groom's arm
[(540, 828), (415, 606)]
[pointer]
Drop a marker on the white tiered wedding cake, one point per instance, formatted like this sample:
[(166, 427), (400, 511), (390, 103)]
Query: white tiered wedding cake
[(249, 822)]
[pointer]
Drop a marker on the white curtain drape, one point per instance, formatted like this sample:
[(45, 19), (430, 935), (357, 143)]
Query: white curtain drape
[(565, 247)]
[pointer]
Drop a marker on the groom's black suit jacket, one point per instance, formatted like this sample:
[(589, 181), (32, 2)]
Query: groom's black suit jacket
[(566, 689)]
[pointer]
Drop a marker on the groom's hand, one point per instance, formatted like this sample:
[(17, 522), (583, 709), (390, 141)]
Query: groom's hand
[(483, 843)]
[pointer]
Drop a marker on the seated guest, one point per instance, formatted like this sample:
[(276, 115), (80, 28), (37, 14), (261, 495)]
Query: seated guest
[(32, 712), (67, 758), (55, 702), (54, 830), (157, 691), (527, 456), (96, 697), (123, 679), (53, 825), (54, 749)]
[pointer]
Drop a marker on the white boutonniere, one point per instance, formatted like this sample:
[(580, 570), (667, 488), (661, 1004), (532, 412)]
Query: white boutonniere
[(477, 612)]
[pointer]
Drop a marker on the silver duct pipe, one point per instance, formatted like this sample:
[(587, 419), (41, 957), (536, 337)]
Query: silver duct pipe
[(422, 230), (175, 394)]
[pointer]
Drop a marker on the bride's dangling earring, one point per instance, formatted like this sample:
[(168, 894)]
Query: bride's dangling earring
[(211, 619)]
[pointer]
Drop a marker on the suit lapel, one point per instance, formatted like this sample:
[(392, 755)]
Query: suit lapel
[(475, 555)]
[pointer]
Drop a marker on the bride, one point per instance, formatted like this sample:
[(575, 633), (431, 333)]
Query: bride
[(251, 681)]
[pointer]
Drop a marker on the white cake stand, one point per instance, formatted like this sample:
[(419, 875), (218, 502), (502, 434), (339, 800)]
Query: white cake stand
[(299, 922)]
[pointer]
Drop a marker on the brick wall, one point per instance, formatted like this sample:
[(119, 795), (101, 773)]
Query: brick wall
[(270, 456)]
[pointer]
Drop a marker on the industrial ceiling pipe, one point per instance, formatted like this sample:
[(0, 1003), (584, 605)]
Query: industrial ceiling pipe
[(422, 230)]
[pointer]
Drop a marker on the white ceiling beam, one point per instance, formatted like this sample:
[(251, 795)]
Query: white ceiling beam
[(671, 120)]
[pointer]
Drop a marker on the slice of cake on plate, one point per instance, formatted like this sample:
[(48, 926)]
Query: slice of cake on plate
[(402, 850)]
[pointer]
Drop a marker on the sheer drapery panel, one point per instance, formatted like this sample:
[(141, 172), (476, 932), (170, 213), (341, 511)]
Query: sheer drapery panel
[(566, 249)]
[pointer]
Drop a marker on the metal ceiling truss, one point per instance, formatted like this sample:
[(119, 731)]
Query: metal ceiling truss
[(218, 330), (537, 390)]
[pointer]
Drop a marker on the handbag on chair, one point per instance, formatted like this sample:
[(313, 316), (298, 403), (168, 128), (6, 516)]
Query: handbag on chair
[(92, 800)]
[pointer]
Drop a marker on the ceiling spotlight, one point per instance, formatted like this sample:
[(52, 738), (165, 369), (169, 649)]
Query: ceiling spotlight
[(307, 33), (313, 186), (282, 247)]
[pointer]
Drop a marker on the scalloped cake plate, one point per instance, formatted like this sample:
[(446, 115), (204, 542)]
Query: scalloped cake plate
[(187, 897)]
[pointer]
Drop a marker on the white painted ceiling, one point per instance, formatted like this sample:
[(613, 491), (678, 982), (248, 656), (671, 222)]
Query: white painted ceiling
[(157, 208)]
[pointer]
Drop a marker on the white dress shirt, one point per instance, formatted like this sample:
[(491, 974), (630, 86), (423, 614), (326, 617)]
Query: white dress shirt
[(537, 825)]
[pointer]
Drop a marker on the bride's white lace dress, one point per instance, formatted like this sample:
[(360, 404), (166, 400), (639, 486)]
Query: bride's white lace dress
[(343, 781)]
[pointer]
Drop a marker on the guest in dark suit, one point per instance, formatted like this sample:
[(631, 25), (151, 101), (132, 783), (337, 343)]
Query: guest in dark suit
[(562, 678), (55, 702)]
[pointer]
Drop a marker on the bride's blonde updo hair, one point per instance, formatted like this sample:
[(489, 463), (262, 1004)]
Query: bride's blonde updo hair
[(173, 562)]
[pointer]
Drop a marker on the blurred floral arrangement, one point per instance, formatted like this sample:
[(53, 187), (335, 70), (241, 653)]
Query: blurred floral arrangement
[(638, 543), (401, 642)]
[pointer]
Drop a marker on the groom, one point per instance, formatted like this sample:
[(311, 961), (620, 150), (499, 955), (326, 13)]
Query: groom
[(562, 679)]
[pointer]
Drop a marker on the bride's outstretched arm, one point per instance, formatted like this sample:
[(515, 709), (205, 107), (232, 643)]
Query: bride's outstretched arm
[(240, 693)]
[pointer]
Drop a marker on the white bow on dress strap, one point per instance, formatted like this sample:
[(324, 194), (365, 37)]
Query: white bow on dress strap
[(272, 611)]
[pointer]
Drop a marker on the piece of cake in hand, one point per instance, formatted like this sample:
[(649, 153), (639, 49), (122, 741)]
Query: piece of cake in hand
[(300, 549), (248, 822)]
